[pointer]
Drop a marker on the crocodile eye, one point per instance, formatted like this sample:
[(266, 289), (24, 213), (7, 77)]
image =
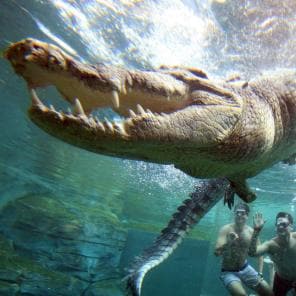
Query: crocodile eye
[(53, 60)]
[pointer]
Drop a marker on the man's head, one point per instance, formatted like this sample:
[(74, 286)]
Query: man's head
[(241, 212), (283, 223)]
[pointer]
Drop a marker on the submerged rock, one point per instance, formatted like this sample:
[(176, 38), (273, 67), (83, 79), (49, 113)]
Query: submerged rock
[(61, 248), (22, 276)]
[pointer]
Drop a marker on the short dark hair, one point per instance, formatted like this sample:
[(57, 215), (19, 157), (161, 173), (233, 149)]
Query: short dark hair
[(242, 205), (284, 215)]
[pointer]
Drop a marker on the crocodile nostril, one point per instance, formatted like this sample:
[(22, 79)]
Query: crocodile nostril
[(37, 47)]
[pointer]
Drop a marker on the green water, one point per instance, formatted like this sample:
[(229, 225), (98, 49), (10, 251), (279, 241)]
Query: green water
[(140, 197)]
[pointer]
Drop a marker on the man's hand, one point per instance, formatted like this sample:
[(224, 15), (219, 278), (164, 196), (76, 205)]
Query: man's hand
[(231, 237), (258, 221)]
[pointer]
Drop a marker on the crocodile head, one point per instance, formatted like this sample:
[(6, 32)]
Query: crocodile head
[(163, 118), (207, 128), (42, 64)]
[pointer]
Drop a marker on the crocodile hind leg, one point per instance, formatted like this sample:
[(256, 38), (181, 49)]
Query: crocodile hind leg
[(205, 196)]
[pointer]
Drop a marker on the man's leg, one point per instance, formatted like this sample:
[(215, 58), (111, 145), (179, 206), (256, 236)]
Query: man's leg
[(254, 281), (280, 286), (263, 289), (236, 288), (232, 283)]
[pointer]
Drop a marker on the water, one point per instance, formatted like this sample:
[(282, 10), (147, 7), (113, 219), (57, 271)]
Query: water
[(221, 37)]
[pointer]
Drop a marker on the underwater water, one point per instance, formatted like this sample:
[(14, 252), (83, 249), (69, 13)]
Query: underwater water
[(72, 220)]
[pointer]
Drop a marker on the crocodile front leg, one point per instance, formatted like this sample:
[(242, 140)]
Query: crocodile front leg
[(242, 189)]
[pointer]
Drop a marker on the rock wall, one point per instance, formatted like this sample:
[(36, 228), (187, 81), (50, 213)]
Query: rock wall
[(54, 247)]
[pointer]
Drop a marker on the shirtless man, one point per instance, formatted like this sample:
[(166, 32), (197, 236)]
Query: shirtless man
[(233, 244), (281, 249)]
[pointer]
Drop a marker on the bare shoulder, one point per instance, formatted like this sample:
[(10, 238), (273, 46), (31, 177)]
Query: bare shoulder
[(226, 228), (249, 229), (272, 244)]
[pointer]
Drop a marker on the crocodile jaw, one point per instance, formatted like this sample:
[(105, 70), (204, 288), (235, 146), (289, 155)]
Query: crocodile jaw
[(142, 136), (88, 87), (168, 138), (42, 64), (75, 128)]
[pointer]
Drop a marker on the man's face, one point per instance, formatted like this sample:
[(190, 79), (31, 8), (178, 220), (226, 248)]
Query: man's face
[(240, 216), (283, 226)]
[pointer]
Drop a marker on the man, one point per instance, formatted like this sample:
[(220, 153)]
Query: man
[(233, 244), (281, 249)]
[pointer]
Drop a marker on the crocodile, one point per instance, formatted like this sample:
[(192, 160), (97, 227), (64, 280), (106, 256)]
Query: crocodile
[(207, 127)]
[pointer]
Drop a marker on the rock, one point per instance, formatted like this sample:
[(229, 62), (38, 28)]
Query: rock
[(105, 288), (8, 289), (67, 246)]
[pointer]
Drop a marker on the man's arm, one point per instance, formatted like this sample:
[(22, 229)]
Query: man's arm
[(255, 248), (260, 264), (258, 250), (224, 240), (221, 241), (260, 260)]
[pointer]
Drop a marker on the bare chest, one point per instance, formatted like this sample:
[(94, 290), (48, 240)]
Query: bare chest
[(285, 260)]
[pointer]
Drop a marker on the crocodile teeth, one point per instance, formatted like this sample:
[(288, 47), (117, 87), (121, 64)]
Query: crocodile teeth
[(140, 109), (123, 89), (101, 126), (109, 124), (132, 113), (60, 115), (78, 108), (91, 122), (115, 99), (119, 127), (35, 100)]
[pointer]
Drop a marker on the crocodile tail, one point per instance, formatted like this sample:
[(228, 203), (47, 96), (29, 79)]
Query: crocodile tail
[(205, 196)]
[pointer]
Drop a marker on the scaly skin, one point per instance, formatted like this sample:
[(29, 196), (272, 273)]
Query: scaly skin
[(205, 196), (207, 128)]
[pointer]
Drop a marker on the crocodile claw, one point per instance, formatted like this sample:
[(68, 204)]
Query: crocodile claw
[(229, 197)]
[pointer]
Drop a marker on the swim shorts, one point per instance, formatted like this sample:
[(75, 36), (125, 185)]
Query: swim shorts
[(247, 274), (282, 286)]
